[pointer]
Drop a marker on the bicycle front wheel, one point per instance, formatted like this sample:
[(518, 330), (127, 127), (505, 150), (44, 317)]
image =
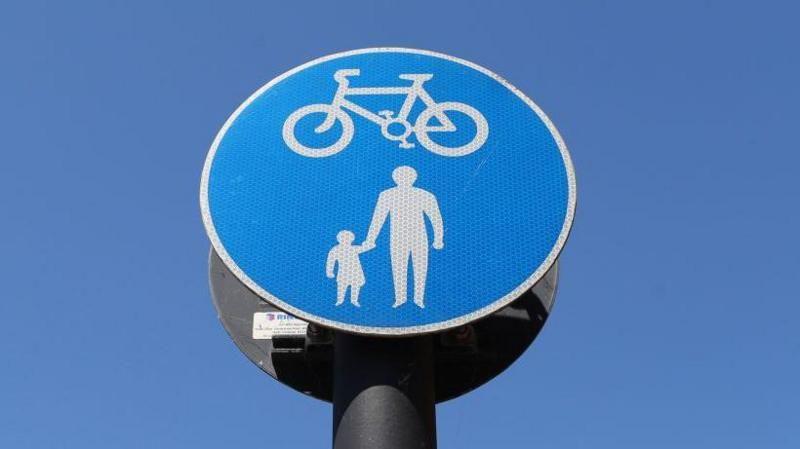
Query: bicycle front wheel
[(442, 109)]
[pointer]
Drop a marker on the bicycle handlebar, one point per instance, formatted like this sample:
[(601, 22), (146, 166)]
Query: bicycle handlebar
[(341, 74)]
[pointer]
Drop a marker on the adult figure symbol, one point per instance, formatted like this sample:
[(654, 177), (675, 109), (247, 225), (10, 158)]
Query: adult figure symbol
[(406, 207)]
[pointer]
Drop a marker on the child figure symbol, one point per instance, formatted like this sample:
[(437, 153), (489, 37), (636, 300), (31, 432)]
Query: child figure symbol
[(344, 257)]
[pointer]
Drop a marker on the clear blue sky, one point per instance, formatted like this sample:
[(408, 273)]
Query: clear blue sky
[(676, 321)]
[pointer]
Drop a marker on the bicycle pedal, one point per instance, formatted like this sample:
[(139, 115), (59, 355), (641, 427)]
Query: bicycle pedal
[(407, 145)]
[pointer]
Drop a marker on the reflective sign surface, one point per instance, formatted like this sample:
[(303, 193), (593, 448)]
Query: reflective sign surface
[(388, 191)]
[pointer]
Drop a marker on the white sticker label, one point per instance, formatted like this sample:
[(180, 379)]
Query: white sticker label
[(267, 325)]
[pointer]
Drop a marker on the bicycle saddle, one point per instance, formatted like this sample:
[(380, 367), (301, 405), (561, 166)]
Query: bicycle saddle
[(341, 74)]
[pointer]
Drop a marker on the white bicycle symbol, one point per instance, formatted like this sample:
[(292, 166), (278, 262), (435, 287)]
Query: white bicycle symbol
[(335, 111)]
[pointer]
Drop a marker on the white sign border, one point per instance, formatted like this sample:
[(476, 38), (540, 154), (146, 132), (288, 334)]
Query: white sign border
[(406, 330)]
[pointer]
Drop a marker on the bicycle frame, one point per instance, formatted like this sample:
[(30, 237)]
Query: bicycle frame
[(383, 118)]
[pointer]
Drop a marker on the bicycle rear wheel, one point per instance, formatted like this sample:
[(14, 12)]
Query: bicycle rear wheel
[(291, 122)]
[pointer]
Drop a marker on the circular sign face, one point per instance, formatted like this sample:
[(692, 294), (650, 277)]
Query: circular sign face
[(388, 191)]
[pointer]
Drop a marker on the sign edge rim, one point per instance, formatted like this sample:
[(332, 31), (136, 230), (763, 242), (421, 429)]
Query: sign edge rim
[(439, 326)]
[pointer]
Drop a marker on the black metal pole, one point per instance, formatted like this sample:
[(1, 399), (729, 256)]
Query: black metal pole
[(383, 393)]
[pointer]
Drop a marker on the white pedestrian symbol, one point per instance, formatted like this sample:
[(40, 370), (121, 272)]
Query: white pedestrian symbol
[(406, 207), (385, 119), (349, 274)]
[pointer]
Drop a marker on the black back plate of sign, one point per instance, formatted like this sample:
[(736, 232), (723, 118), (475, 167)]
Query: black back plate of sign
[(466, 357)]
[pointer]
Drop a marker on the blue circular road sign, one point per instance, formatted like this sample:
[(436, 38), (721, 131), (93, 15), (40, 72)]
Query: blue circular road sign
[(388, 191)]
